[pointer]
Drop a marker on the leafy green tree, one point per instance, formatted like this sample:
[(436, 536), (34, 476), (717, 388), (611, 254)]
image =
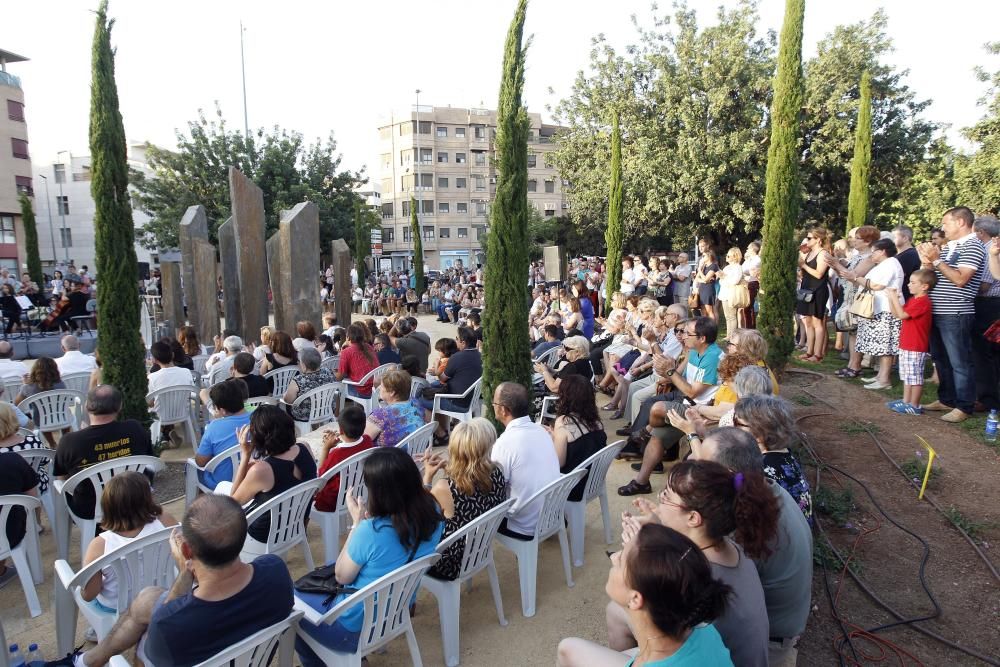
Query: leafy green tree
[(977, 173), (418, 247), (506, 348), (613, 235), (930, 191), (121, 348), (781, 201), (857, 203), (278, 161), (365, 220), (34, 260)]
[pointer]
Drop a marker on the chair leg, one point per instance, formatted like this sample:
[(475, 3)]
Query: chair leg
[(190, 485), (527, 571), (495, 587), (606, 515), (66, 619), (49, 505), (411, 643), (87, 532), (576, 513), (20, 558), (62, 529), (564, 547), (449, 611), (307, 554)]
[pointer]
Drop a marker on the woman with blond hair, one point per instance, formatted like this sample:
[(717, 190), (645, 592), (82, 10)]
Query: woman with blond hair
[(729, 279), (814, 292), (471, 486), (13, 440), (262, 350)]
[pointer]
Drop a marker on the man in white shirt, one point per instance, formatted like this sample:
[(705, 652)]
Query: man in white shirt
[(9, 368), (231, 346), (168, 375), (526, 455), (74, 361), (682, 279)]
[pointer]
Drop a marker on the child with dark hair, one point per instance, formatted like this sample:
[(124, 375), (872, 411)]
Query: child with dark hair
[(340, 446), (220, 434)]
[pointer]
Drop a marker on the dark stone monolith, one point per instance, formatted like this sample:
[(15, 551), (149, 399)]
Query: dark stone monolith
[(251, 256), (173, 304), (341, 255), (205, 290)]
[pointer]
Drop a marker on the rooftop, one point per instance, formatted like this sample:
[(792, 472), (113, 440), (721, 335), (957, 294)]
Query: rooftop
[(9, 57)]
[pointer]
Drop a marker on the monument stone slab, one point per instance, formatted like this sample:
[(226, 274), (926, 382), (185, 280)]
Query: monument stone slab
[(230, 276), (172, 297), (205, 290), (340, 253), (299, 267), (278, 288), (251, 255)]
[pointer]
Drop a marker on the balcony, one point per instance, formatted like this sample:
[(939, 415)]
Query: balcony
[(7, 79)]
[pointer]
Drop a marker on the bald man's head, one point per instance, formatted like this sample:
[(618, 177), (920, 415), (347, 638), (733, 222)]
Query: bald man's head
[(6, 350)]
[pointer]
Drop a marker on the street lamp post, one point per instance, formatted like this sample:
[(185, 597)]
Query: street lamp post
[(62, 202), (419, 188), (48, 205)]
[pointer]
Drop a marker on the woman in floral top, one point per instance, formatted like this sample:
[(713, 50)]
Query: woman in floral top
[(769, 420), (389, 424)]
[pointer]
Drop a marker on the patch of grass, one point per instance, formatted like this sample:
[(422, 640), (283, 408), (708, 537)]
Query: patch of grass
[(857, 428), (836, 504), (915, 466), (975, 426), (824, 556), (803, 399), (972, 528)]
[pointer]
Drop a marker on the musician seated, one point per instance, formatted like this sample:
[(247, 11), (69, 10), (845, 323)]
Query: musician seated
[(10, 307)]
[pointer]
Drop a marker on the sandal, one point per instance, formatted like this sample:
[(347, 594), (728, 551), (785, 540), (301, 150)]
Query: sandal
[(617, 415), (609, 407), (440, 440), (848, 373), (634, 488)]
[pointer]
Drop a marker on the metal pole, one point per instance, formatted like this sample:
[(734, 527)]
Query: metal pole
[(420, 190), (62, 208), (243, 67), (52, 233)]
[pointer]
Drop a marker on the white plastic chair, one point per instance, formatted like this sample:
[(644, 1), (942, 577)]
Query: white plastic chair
[(192, 485), (199, 361), (98, 475), (321, 403), (257, 649), (386, 604), (351, 476), (145, 562), (330, 363), (77, 381), (595, 488), (476, 556), (281, 377), (56, 409), (551, 521), (288, 527), (548, 410), (215, 376), (43, 460), (418, 442), (174, 405), (258, 401), (27, 555), (547, 356), (375, 377), (473, 393), (11, 388), (417, 385)]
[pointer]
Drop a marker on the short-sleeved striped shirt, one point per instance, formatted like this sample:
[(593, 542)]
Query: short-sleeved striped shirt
[(947, 297)]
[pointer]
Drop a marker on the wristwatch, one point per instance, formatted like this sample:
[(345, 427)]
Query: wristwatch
[(692, 436), (670, 372), (936, 262)]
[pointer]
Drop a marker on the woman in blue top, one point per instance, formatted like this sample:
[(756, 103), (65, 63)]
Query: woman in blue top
[(401, 523), (664, 583), (586, 308)]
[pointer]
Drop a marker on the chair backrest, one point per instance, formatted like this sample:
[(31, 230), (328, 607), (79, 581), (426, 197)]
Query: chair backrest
[(41, 460), (281, 377), (101, 473), (597, 464), (548, 410), (547, 356), (322, 400), (77, 381), (8, 503), (331, 363), (287, 511), (173, 404), (144, 562), (478, 535), (258, 649), (419, 441), (52, 408), (386, 604), (417, 385), (554, 494), (199, 361), (252, 403), (351, 471), (376, 374), (11, 388), (232, 455)]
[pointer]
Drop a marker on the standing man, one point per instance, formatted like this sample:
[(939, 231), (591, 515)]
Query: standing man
[(986, 355), (682, 279), (959, 267), (906, 255)]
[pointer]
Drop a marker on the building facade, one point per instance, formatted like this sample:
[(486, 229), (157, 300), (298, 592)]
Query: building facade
[(442, 158), (15, 165)]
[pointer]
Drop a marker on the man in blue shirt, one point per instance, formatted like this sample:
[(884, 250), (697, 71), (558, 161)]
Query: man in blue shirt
[(695, 382), (220, 433)]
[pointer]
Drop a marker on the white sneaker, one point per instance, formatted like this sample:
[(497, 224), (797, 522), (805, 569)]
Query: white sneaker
[(870, 380)]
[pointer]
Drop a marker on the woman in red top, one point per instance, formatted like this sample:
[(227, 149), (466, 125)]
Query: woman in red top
[(357, 360)]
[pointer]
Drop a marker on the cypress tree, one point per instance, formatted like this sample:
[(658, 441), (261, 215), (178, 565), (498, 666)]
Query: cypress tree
[(122, 351), (857, 202), (31, 242), (506, 348), (614, 234), (782, 194), (418, 248)]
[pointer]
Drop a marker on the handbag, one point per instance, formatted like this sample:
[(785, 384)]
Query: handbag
[(740, 296), (864, 304), (993, 333), (805, 295), (323, 580), (693, 299)]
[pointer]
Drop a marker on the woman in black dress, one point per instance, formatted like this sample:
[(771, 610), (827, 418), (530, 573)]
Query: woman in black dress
[(11, 308), (704, 282), (577, 433), (812, 262)]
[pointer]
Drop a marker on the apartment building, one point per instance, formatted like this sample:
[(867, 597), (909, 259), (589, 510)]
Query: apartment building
[(442, 157), (15, 165)]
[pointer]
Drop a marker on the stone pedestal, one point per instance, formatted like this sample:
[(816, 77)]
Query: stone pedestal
[(194, 226), (205, 315), (342, 263), (173, 304), (230, 276), (251, 257)]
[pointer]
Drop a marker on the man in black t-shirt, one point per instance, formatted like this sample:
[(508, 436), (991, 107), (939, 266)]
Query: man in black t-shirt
[(463, 369), (906, 255), (105, 439), (242, 368)]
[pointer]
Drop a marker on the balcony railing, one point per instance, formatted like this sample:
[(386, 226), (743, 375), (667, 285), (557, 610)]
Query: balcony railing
[(7, 79)]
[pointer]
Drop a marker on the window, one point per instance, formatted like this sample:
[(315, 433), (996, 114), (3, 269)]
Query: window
[(531, 136), (23, 184), (386, 210), (442, 182), (532, 160), (462, 207), (7, 229), (428, 233), (480, 182), (442, 132), (62, 205), (463, 232), (406, 208), (408, 181), (460, 133), (532, 185), (459, 158), (405, 157), (405, 129), (406, 235), (19, 148), (443, 207), (444, 233), (385, 133), (386, 160), (443, 157), (427, 181), (461, 183), (387, 186), (550, 186), (482, 208), (15, 110), (427, 206), (549, 213), (425, 127), (387, 233), (66, 237), (479, 158), (480, 232), (480, 131), (426, 155)]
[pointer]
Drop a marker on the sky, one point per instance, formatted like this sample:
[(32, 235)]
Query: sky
[(338, 66)]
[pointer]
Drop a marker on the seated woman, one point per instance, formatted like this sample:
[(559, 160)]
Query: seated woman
[(282, 354), (472, 486), (731, 518), (578, 432), (271, 462), (266, 334), (10, 307), (577, 363), (357, 360), (389, 424), (305, 335), (130, 513), (574, 319), (43, 376), (401, 523), (12, 440), (749, 381), (725, 398), (769, 420), (665, 587), (310, 376)]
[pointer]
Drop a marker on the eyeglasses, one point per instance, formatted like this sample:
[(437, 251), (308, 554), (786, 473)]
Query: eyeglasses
[(680, 332), (664, 500)]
